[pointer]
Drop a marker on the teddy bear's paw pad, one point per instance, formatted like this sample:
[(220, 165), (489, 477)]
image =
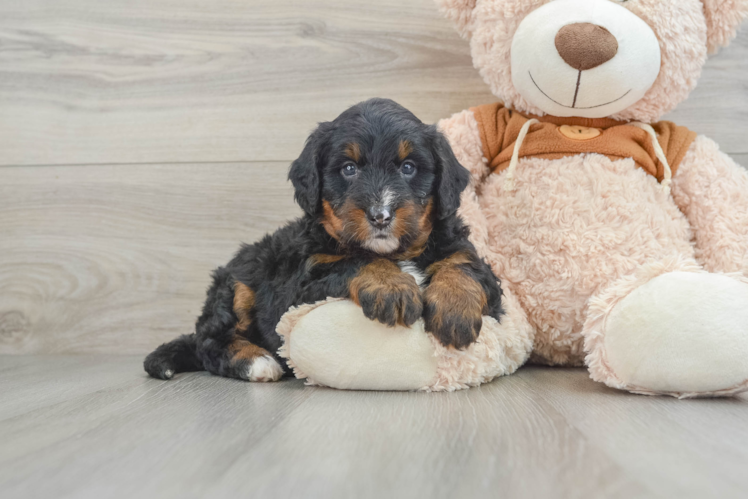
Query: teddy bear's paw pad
[(681, 333), (337, 346), (264, 369)]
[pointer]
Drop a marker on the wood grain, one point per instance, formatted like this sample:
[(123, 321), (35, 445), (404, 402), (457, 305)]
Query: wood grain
[(117, 258), (122, 81), (225, 80), (653, 434), (543, 432)]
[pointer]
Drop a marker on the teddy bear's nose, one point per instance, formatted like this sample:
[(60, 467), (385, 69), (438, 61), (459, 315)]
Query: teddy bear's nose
[(585, 46)]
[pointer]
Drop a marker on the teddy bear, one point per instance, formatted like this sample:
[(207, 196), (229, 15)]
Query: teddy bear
[(621, 240)]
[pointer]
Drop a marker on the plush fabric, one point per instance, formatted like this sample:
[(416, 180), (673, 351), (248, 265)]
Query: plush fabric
[(722, 20), (691, 324), (710, 189), (570, 227), (499, 128), (334, 338), (331, 343), (585, 46), (491, 25), (608, 73), (612, 270)]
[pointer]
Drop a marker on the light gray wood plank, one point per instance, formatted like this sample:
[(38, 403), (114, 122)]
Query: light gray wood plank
[(138, 436), (204, 436), (32, 383), (742, 159), (718, 107), (543, 432), (691, 448), (117, 258), (498, 440), (187, 80), (192, 81)]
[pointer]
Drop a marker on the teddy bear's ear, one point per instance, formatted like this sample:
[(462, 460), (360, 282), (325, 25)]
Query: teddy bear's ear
[(722, 20), (459, 12)]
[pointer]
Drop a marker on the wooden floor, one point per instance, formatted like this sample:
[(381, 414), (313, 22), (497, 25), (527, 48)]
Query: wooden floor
[(87, 426)]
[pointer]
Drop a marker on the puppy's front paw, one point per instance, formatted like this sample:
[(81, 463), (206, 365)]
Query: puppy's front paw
[(454, 314), (387, 295), (453, 328)]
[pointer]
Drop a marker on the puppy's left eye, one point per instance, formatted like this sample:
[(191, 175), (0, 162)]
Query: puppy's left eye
[(408, 169), (349, 170)]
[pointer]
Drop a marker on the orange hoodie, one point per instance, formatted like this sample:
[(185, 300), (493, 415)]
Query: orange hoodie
[(555, 138)]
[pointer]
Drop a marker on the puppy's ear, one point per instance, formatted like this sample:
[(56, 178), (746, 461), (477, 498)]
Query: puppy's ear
[(306, 170), (451, 177), (722, 20)]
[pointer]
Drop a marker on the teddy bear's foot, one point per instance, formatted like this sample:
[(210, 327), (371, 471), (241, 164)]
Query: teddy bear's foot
[(683, 334), (332, 343)]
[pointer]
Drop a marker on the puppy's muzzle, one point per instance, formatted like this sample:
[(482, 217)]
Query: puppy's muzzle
[(379, 216)]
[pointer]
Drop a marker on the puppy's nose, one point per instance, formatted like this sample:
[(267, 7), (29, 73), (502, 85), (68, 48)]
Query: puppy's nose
[(379, 217), (585, 46)]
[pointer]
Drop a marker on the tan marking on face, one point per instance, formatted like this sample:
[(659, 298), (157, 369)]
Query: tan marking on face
[(425, 226), (404, 149), (242, 349), (244, 301), (405, 221), (353, 150), (360, 223), (331, 222)]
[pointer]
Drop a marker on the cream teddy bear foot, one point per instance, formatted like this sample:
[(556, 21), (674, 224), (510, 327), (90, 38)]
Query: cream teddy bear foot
[(683, 334), (331, 343)]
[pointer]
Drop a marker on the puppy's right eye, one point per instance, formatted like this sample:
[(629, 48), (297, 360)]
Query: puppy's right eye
[(349, 170)]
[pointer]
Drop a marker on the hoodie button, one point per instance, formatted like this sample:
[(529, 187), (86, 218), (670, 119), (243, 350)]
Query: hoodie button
[(579, 133)]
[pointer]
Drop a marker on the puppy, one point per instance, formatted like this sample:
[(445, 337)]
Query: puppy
[(380, 191)]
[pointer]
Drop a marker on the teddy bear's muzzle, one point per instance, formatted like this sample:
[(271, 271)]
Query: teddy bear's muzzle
[(585, 58)]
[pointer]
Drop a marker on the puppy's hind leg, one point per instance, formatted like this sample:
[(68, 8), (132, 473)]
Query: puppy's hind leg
[(240, 359), (221, 343), (250, 362), (173, 357)]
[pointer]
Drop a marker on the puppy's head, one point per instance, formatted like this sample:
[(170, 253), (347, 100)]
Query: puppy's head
[(377, 177)]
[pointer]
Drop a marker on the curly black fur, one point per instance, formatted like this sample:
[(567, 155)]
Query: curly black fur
[(351, 171)]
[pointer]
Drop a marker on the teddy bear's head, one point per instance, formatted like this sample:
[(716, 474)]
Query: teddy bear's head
[(624, 59)]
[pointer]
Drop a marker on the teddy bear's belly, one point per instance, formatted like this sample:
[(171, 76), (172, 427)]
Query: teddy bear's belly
[(568, 229)]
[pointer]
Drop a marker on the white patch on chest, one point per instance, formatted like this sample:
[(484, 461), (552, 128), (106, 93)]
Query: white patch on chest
[(407, 266)]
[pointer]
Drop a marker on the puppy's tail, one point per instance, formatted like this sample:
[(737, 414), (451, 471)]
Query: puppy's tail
[(179, 355)]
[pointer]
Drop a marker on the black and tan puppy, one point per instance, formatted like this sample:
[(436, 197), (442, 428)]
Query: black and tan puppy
[(380, 191)]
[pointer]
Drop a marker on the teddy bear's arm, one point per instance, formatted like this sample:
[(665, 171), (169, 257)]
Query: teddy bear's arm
[(462, 132), (712, 191)]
